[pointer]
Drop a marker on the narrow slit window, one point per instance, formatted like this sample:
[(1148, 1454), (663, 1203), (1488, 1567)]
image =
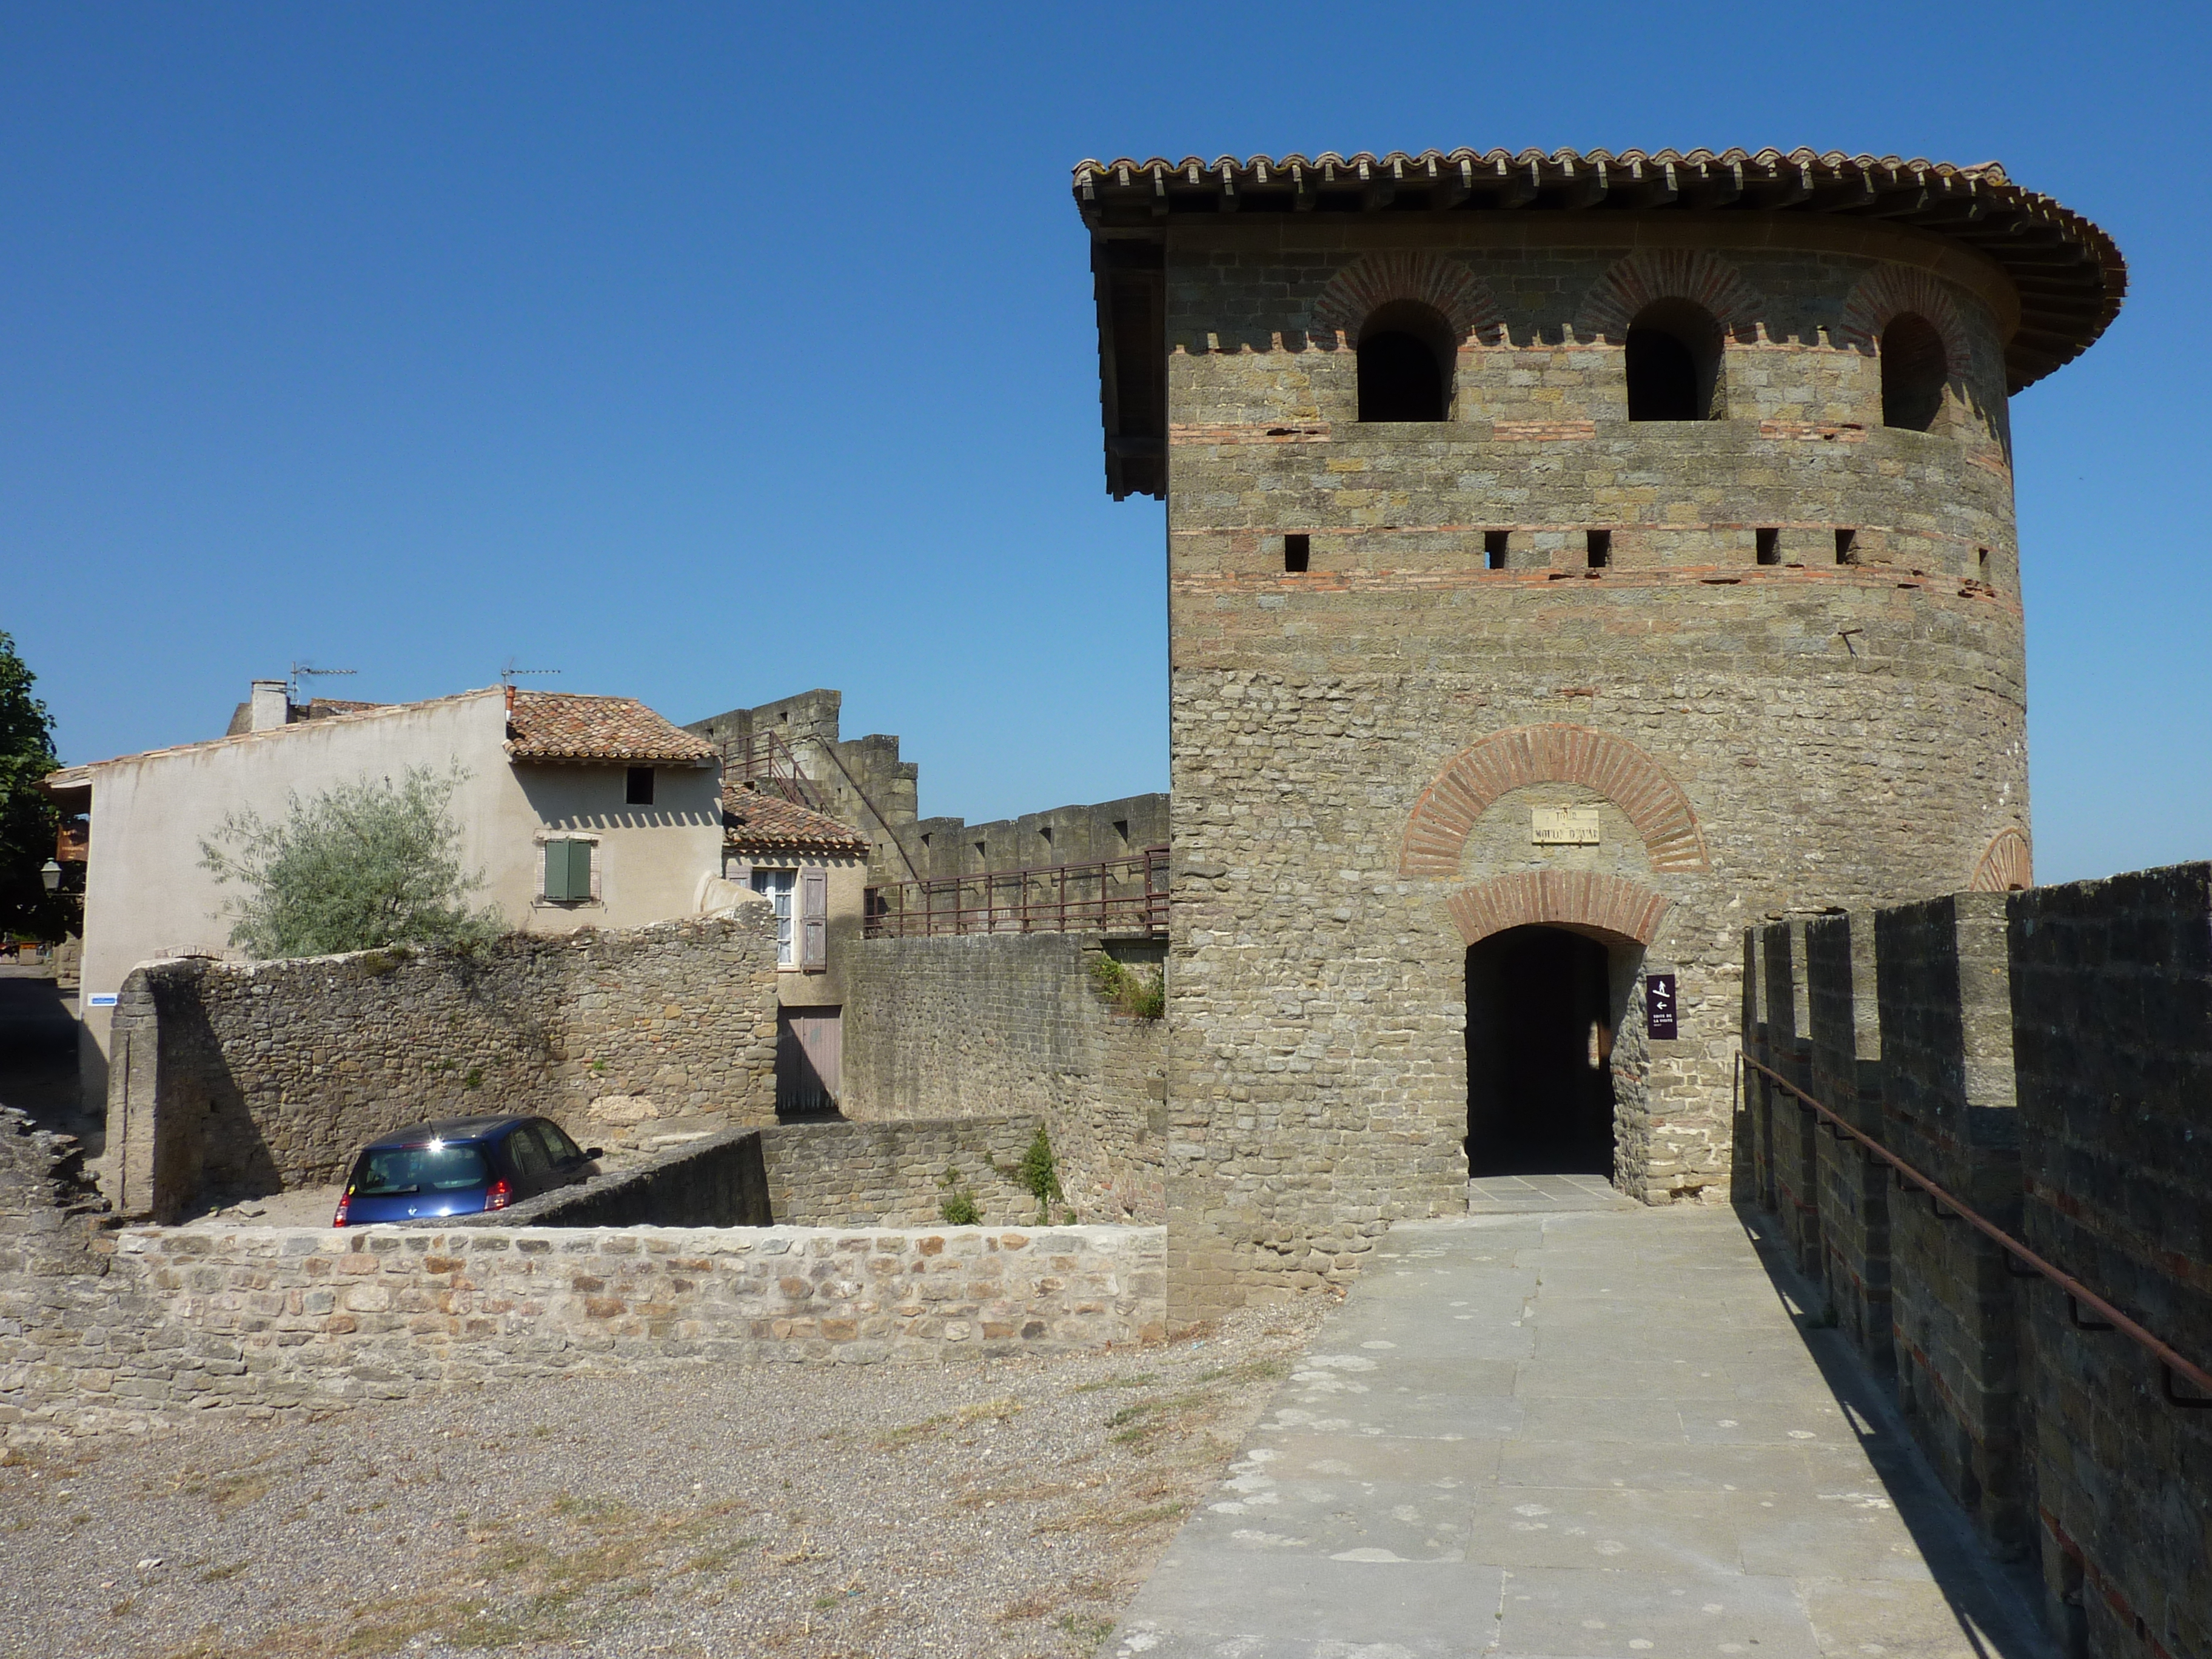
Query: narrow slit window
[(1981, 562), (1598, 548), (1769, 544), (637, 788), (1847, 542), (1494, 544), (1297, 552)]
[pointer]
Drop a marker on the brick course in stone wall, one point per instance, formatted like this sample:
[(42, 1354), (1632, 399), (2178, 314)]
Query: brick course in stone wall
[(1834, 728), (991, 1024), (242, 1079)]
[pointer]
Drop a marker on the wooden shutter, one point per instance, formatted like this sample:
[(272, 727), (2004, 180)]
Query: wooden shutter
[(568, 870), (814, 919)]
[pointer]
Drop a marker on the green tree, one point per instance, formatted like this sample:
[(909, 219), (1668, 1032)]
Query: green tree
[(362, 865), (27, 814)]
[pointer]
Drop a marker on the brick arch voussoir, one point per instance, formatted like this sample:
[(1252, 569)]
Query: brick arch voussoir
[(1612, 906), (1477, 777), (2006, 863), (1697, 275), (1888, 290), (1374, 280)]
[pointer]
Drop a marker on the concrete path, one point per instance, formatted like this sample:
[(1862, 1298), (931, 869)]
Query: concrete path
[(1590, 1432)]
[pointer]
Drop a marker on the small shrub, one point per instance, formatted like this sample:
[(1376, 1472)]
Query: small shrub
[(1040, 1176), (474, 1080), (1141, 993), (960, 1210)]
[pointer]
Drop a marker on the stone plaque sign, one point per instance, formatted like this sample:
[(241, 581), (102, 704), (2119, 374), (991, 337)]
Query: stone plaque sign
[(1562, 826), (1659, 1005)]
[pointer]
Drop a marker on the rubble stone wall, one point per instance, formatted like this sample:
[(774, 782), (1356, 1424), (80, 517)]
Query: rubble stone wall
[(993, 1024), (895, 1175), (249, 1078), (263, 1320)]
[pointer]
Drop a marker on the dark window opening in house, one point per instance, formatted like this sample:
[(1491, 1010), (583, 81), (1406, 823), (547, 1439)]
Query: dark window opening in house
[(1494, 545), (1121, 829), (1405, 356), (1673, 353), (1597, 548), (1539, 1054), (980, 854), (1914, 367), (1297, 552), (1847, 542), (1981, 562), (1769, 544), (637, 787)]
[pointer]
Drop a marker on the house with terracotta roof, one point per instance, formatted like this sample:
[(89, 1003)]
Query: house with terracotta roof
[(814, 870), (578, 811)]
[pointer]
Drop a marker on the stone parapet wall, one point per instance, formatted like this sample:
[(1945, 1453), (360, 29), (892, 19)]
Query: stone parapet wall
[(248, 1077), (2046, 1057), (2112, 1001), (894, 1175), (263, 1320), (990, 1024)]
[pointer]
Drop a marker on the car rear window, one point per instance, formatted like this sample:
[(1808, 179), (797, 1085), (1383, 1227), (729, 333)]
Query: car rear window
[(390, 1172)]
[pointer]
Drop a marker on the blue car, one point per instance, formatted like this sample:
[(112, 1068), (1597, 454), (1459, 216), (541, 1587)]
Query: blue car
[(461, 1166)]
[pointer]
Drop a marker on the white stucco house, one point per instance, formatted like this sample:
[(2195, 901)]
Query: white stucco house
[(577, 811)]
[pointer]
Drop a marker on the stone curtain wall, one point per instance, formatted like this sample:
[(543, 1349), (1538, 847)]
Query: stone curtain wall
[(269, 1319), (2111, 997), (2046, 1056), (892, 1174), (244, 1077), (990, 1024)]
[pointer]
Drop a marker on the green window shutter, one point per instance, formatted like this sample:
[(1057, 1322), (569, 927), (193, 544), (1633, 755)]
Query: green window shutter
[(568, 870)]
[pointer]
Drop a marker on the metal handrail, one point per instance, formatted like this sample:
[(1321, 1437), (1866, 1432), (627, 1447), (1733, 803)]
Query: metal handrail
[(2079, 1294), (1036, 900)]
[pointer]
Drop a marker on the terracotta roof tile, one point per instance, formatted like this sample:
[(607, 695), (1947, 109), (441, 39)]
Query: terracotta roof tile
[(561, 726), (750, 818)]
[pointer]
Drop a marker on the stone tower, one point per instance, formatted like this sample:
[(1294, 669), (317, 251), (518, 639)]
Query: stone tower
[(1571, 558)]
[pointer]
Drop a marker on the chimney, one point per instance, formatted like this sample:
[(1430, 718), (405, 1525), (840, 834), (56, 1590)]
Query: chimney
[(272, 705)]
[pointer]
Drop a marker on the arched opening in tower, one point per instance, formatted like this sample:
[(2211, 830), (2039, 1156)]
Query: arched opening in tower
[(1914, 367), (1540, 1097), (1674, 352), (1405, 356)]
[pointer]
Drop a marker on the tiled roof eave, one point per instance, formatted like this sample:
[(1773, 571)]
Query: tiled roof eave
[(2068, 274)]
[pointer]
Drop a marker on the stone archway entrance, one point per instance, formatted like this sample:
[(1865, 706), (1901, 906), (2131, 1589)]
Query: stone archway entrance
[(1539, 1024)]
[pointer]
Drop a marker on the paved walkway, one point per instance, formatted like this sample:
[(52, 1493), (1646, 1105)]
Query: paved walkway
[(1589, 1432)]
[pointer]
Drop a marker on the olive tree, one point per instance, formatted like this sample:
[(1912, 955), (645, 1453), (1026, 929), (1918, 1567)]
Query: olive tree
[(370, 863)]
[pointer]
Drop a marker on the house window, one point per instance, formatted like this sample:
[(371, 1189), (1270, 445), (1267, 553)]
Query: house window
[(567, 872), (638, 789), (781, 887), (1914, 367)]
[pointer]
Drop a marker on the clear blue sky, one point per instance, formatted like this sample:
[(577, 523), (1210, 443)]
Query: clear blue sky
[(709, 354)]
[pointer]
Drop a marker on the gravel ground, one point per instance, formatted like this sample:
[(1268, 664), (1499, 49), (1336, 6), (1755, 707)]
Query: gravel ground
[(997, 1508)]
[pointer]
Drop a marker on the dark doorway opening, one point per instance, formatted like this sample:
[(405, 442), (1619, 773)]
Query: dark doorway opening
[(1539, 1054)]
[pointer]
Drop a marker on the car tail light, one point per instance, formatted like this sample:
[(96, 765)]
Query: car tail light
[(499, 1196), (344, 1198)]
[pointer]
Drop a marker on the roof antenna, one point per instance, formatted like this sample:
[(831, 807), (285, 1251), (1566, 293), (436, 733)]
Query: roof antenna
[(302, 671), (508, 675)]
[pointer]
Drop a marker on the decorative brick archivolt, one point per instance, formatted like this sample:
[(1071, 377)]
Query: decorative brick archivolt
[(1612, 905), (1374, 280), (1614, 768), (1653, 274), (1888, 290), (2007, 864)]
